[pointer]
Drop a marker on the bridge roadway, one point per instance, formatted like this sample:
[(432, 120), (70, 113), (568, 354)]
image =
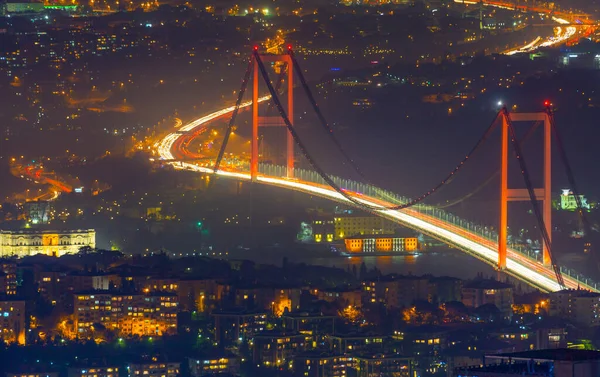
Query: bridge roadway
[(518, 265), (567, 24)]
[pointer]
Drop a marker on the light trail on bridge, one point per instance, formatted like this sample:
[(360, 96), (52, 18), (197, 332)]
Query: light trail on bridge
[(518, 265), (165, 146)]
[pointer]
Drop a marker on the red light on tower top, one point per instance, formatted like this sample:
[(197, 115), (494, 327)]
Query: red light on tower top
[(289, 47), (255, 47), (547, 103)]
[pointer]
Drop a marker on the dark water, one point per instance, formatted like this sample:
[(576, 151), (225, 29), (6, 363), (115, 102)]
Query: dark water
[(444, 263)]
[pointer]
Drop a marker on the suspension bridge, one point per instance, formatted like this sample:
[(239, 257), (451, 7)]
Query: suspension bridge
[(540, 271)]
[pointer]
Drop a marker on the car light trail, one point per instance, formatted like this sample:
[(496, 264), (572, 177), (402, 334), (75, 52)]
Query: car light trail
[(559, 38)]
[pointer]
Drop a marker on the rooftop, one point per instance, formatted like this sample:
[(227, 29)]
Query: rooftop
[(486, 284), (379, 355), (276, 334), (307, 315), (559, 354), (577, 292)]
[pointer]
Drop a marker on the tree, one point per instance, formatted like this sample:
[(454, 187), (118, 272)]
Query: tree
[(351, 314), (363, 271)]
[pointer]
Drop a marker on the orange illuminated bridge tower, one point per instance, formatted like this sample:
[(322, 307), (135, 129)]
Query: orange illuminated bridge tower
[(270, 121), (541, 194)]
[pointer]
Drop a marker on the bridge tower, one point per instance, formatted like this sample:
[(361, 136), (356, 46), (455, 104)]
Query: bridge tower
[(542, 194), (270, 121)]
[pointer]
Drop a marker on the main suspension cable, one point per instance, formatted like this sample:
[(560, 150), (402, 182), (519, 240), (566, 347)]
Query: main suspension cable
[(492, 176), (320, 115), (532, 197), (329, 181), (303, 149), (280, 79), (233, 116)]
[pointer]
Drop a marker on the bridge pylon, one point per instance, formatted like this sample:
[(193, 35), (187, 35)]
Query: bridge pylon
[(269, 121), (543, 194)]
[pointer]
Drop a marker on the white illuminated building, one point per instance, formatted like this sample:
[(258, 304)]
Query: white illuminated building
[(26, 242)]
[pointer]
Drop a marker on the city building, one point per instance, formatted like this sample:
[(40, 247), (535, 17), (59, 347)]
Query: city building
[(444, 289), (274, 299), (396, 291), (8, 278), (160, 284), (37, 212), (127, 314), (153, 368), (316, 364), (379, 364), (542, 363), (353, 225), (568, 201), (235, 326), (380, 244), (342, 344), (315, 326), (27, 242), (87, 281), (59, 286), (200, 295), (274, 348), (466, 354), (342, 296), (93, 371), (424, 339), (577, 305), (550, 333), (229, 365), (485, 291), (320, 230), (12, 321)]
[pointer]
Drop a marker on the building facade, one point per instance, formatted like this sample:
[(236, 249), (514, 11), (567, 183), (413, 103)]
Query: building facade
[(481, 292), (380, 244), (541, 363), (580, 306), (199, 367), (234, 327), (94, 371), (12, 321), (396, 291), (347, 226), (153, 369), (26, 242), (127, 314), (383, 365), (321, 365), (8, 278), (274, 349)]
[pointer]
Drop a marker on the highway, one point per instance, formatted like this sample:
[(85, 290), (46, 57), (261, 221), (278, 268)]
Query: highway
[(518, 265), (37, 175), (564, 33)]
